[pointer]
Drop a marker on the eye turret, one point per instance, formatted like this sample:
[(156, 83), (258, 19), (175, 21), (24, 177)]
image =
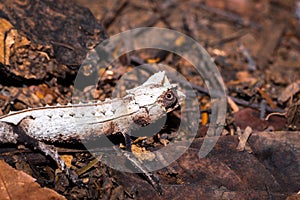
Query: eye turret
[(170, 99)]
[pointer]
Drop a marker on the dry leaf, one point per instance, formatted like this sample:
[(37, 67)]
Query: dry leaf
[(238, 6), (289, 91), (5, 26), (142, 153), (10, 37), (67, 159), (16, 184), (293, 116), (245, 77)]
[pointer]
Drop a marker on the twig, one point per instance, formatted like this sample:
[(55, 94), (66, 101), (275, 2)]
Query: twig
[(234, 37), (233, 105), (244, 138), (248, 57), (161, 15), (266, 97), (161, 12), (276, 113), (113, 13), (230, 16), (254, 105), (137, 61)]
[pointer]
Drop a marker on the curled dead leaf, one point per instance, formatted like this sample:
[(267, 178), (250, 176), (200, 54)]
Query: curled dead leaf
[(16, 184)]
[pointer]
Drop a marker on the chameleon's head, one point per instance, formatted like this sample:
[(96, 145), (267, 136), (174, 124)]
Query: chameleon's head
[(157, 90)]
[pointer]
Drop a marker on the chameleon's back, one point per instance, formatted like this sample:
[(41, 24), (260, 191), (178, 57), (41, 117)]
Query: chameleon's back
[(141, 106)]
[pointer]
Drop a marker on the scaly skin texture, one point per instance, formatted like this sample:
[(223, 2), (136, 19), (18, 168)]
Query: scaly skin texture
[(73, 123), (70, 123)]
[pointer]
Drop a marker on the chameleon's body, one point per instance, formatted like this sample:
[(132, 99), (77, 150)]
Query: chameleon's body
[(72, 123), (66, 123)]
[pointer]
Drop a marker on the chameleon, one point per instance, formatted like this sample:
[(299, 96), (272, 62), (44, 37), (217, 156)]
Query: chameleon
[(72, 123)]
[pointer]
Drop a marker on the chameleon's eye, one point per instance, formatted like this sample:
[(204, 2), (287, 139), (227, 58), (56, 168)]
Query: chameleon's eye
[(169, 96), (170, 100)]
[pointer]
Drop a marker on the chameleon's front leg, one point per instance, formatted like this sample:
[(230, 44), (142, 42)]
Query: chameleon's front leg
[(139, 166)]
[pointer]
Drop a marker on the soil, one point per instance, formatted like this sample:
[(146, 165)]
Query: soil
[(255, 46)]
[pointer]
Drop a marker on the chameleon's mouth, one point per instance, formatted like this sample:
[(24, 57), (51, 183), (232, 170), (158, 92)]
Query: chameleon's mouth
[(180, 97)]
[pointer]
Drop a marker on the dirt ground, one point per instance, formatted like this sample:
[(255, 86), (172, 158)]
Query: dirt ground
[(256, 48)]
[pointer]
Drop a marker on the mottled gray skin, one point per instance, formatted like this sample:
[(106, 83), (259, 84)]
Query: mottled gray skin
[(7, 134), (67, 123)]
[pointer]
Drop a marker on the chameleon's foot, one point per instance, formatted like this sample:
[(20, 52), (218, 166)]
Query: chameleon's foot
[(139, 166), (154, 182), (73, 177), (148, 175)]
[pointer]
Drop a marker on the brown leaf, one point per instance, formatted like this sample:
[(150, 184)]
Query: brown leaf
[(289, 91), (279, 151), (232, 5), (16, 184), (245, 77), (225, 173), (251, 117), (293, 116), (5, 26), (10, 36)]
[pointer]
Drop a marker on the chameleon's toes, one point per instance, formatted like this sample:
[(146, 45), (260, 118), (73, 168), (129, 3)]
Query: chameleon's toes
[(156, 185), (73, 177)]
